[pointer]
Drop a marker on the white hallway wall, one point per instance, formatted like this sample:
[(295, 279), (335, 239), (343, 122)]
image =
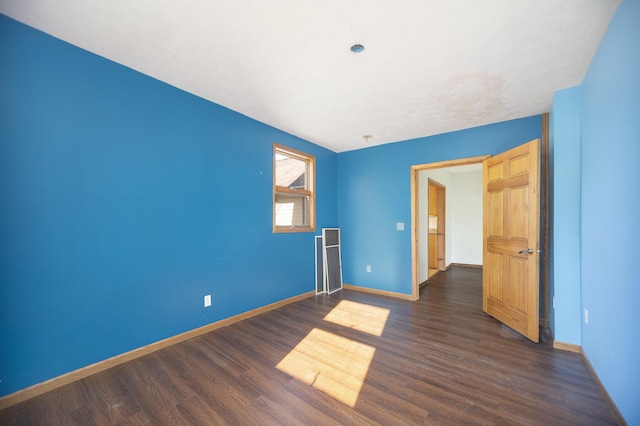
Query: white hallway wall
[(466, 211)]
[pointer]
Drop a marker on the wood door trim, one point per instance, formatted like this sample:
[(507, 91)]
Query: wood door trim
[(435, 183), (544, 223), (451, 163)]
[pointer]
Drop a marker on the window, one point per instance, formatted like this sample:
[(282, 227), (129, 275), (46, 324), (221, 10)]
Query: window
[(294, 198)]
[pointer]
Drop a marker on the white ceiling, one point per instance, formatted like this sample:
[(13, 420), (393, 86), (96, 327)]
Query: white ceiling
[(428, 67)]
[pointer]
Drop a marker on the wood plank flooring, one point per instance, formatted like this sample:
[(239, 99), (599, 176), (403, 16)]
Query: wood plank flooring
[(440, 360)]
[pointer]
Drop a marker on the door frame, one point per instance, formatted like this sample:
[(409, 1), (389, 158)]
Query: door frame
[(545, 221), (415, 212)]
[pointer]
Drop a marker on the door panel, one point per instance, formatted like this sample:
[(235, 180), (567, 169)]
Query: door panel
[(493, 262), (496, 172), (494, 213), (518, 223), (518, 166), (511, 227), (517, 294)]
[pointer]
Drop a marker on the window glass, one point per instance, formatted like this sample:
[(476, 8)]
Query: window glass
[(293, 190)]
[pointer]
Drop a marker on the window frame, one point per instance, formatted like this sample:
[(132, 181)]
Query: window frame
[(309, 192)]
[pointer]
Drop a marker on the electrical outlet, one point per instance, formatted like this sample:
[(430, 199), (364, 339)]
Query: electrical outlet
[(368, 268), (400, 226), (586, 316), (207, 300)]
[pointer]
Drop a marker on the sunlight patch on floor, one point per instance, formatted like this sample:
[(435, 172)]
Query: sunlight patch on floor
[(333, 364), (359, 316)]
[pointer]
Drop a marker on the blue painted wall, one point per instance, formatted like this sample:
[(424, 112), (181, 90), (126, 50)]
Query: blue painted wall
[(119, 194), (123, 202), (564, 282), (550, 294), (374, 194), (610, 208)]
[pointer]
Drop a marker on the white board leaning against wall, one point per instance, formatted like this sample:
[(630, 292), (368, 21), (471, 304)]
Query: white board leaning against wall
[(328, 261)]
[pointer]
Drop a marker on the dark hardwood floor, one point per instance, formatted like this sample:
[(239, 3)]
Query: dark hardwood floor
[(440, 360)]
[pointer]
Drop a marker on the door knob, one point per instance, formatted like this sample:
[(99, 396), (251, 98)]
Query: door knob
[(526, 251)]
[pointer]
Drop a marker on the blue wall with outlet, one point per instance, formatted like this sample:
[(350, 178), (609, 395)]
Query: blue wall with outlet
[(123, 202), (610, 226), (374, 194)]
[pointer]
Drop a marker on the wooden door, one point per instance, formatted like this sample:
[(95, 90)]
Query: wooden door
[(433, 230), (441, 228), (433, 252), (511, 201), (436, 247)]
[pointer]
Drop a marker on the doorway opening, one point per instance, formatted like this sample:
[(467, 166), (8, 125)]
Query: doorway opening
[(420, 221)]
